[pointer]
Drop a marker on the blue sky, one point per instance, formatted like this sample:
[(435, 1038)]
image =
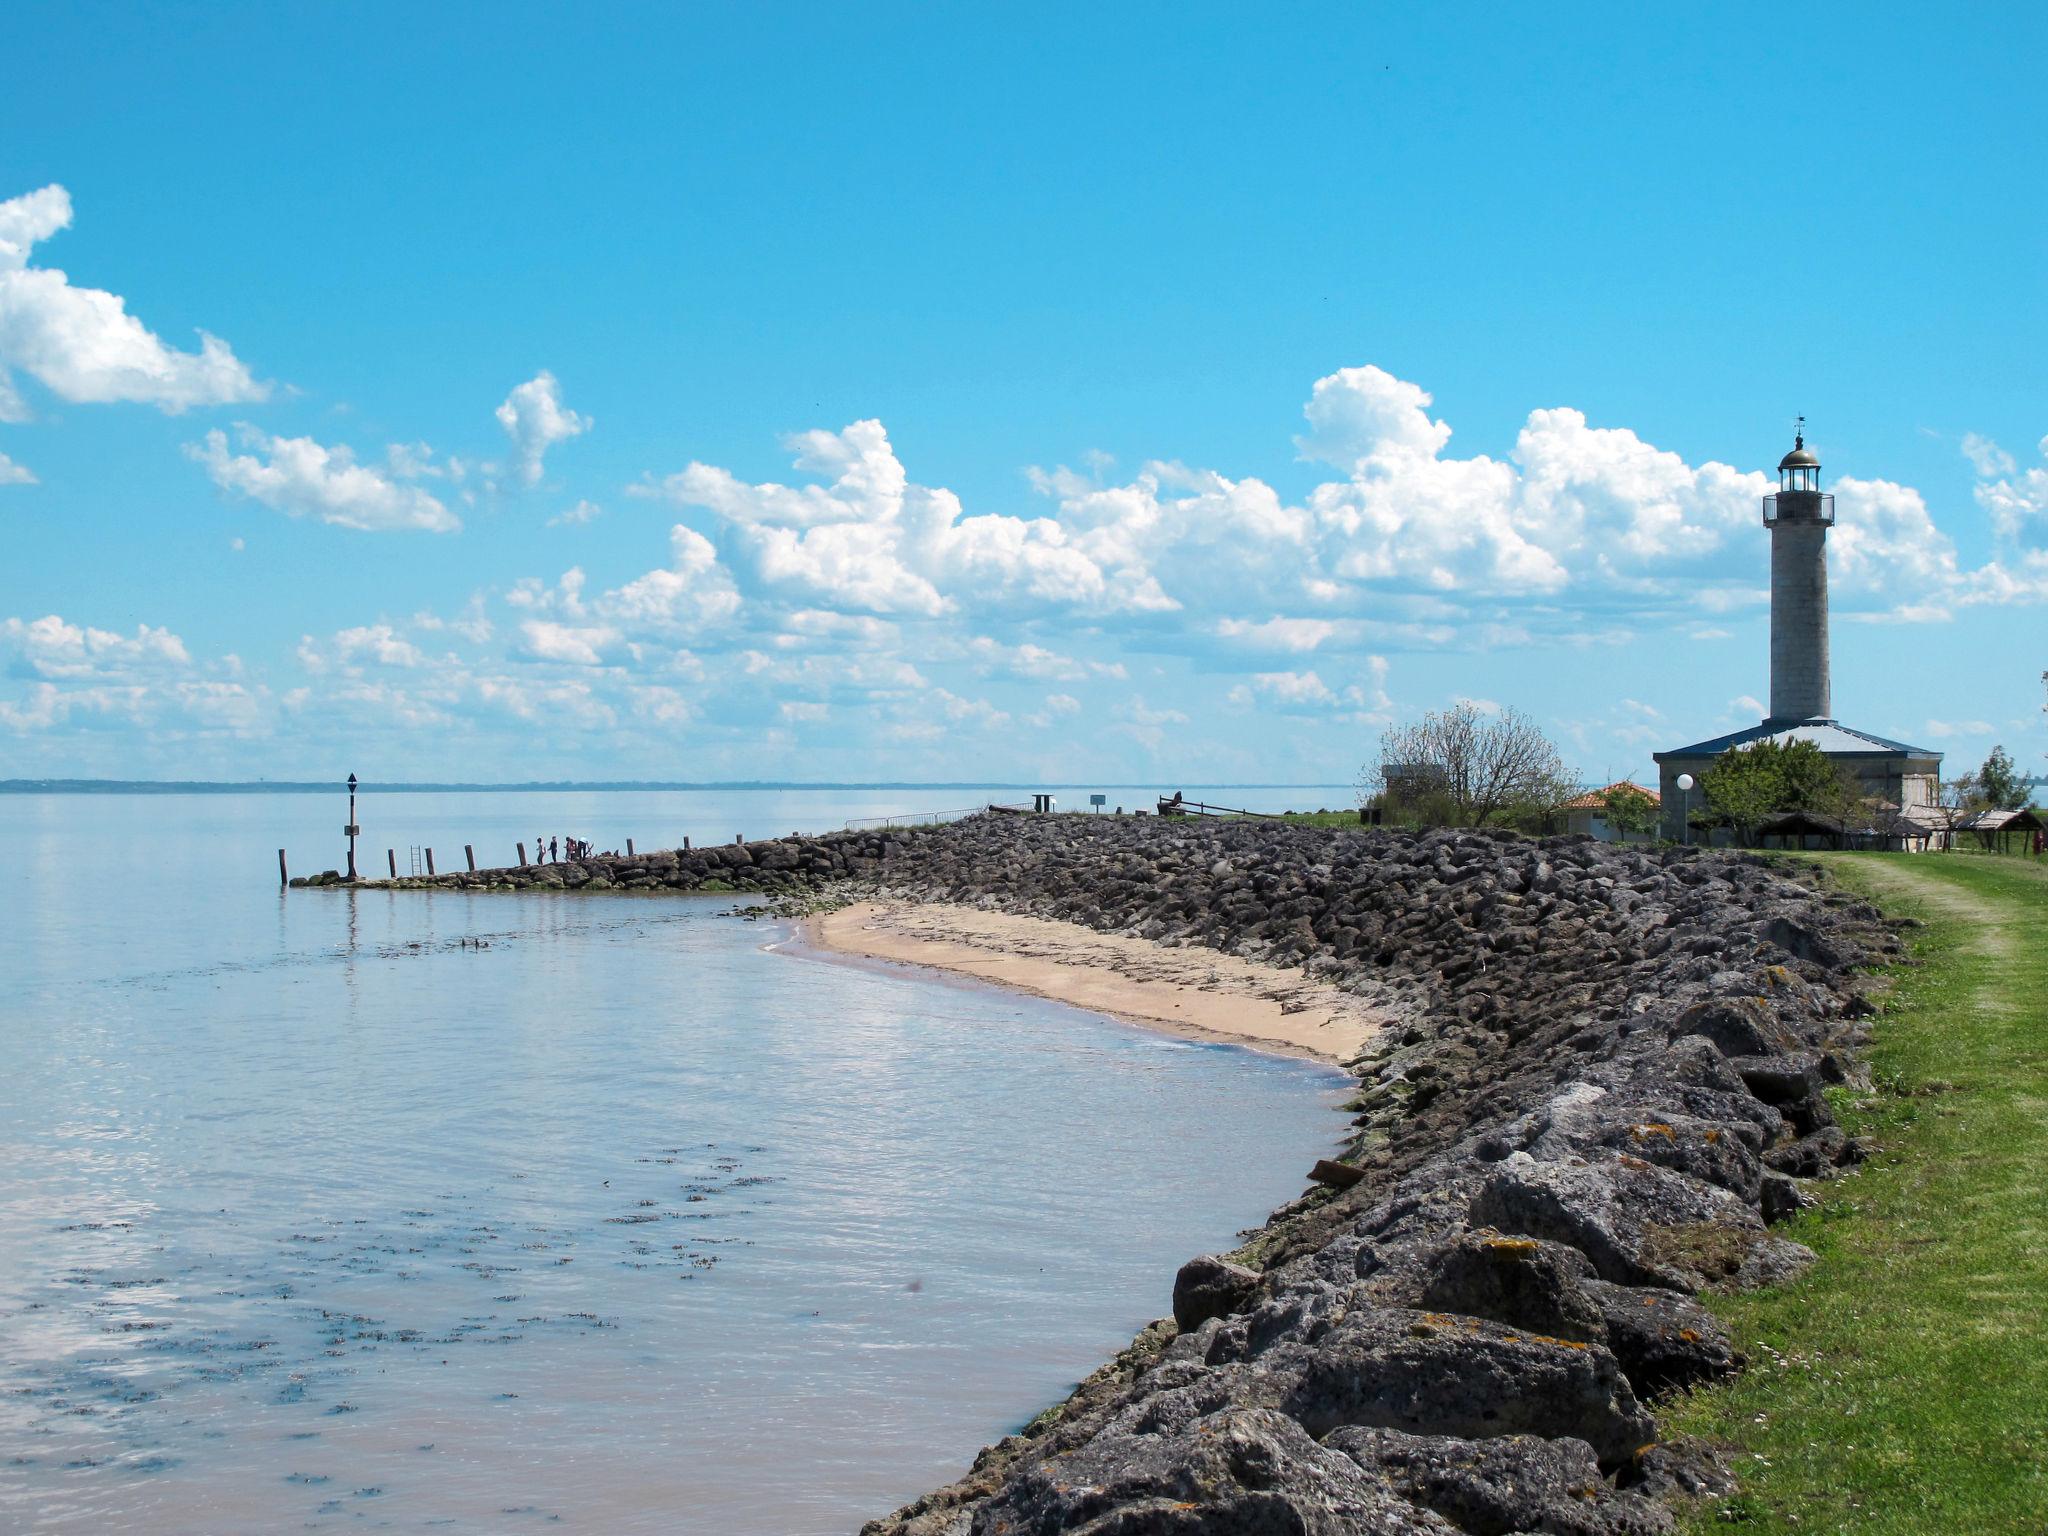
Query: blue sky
[(953, 392)]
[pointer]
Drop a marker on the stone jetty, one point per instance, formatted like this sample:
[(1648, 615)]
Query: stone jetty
[(1603, 1087)]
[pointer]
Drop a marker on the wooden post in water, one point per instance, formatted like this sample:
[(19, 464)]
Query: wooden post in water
[(391, 859), (522, 855), (739, 837), (283, 879), (686, 845), (430, 861), (470, 851), (629, 848)]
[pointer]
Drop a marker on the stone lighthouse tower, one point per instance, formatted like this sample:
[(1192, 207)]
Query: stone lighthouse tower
[(1896, 780), (1799, 517)]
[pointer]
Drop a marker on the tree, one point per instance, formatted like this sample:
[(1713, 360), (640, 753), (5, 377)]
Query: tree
[(1743, 788), (1468, 766), (1999, 782), (1750, 785), (1629, 810), (1955, 799)]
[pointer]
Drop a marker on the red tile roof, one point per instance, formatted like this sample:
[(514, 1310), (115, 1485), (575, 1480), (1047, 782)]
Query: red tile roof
[(1591, 800)]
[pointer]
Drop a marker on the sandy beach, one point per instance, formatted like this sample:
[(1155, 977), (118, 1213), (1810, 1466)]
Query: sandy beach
[(1195, 992)]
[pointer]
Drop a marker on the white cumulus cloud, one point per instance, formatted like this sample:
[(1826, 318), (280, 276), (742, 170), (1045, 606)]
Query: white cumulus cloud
[(582, 512), (12, 473), (2017, 501), (50, 647), (378, 643), (81, 344), (582, 645), (692, 592), (303, 478), (534, 417), (98, 679)]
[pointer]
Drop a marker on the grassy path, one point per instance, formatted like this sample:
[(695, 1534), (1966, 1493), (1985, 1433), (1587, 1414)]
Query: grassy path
[(1902, 1386)]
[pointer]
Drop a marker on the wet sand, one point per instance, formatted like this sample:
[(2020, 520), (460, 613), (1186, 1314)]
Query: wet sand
[(1195, 992)]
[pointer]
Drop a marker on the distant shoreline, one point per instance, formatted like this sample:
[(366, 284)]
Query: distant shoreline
[(580, 786)]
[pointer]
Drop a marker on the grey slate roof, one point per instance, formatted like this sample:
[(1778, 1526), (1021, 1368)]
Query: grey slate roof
[(1832, 737)]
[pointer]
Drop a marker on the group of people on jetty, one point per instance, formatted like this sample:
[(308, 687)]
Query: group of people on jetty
[(552, 850)]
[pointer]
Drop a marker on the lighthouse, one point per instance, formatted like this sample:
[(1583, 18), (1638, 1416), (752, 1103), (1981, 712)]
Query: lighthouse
[(1897, 780), (1799, 518)]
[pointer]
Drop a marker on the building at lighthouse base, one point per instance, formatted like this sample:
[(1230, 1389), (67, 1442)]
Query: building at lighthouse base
[(1887, 772)]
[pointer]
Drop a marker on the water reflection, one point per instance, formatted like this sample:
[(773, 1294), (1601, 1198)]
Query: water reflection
[(498, 1211)]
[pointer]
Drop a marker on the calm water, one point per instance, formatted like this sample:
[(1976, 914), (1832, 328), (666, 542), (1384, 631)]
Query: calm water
[(314, 1215)]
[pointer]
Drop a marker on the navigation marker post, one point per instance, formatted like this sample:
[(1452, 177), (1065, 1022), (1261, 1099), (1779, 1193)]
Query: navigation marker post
[(352, 829)]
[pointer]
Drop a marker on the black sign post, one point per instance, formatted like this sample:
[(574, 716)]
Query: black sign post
[(352, 829)]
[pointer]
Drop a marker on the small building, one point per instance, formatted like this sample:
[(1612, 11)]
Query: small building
[(1888, 771), (1802, 703), (1914, 829), (1587, 814)]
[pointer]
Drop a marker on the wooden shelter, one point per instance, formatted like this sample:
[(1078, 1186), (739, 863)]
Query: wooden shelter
[(1811, 830), (1995, 830)]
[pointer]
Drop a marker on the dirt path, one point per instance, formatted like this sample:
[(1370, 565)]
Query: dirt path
[(1991, 921)]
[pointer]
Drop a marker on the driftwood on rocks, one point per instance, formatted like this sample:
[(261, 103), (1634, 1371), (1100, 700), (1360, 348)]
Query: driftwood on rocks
[(1602, 1082)]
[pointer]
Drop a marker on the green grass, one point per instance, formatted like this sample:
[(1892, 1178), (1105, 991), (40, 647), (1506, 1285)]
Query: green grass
[(1335, 818), (1902, 1385)]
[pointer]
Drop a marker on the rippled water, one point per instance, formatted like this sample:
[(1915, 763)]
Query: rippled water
[(479, 1212)]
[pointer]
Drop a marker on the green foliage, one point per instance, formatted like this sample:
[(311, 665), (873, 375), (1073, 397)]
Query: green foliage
[(1998, 782), (1895, 1389), (1629, 810), (1750, 785), (1322, 818)]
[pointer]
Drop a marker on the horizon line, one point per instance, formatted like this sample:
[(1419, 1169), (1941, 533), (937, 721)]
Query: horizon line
[(403, 786)]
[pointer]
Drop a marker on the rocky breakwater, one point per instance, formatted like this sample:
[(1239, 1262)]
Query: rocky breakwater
[(1604, 1087), (783, 866)]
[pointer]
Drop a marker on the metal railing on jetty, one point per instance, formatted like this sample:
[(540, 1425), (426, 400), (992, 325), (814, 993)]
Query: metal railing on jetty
[(912, 819), (1180, 805)]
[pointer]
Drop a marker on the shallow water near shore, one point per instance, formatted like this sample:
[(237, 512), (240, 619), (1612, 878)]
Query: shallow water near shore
[(484, 1212)]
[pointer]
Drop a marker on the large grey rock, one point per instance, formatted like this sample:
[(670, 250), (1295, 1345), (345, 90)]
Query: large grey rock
[(1607, 1208), (1741, 1026), (1663, 1339), (1774, 1261), (1782, 1198), (1237, 1472), (1435, 1373), (1781, 1078), (1791, 1082), (1210, 1287), (1802, 942), (1683, 1471), (1520, 1281), (1516, 1483), (1815, 1156), (1700, 1149)]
